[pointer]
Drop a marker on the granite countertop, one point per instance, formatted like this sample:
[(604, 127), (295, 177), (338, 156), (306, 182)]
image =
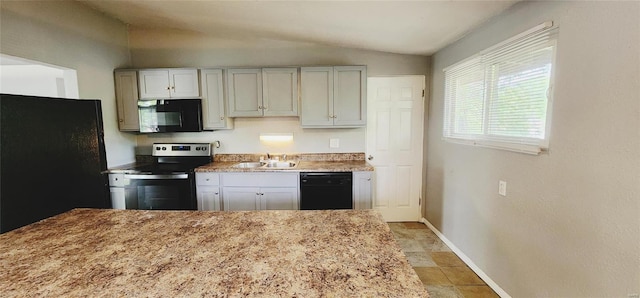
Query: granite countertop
[(91, 252), (307, 162), (303, 166)]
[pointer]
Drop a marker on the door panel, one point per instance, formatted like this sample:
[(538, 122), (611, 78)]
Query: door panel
[(279, 198), (350, 87), (241, 198), (394, 139), (316, 96)]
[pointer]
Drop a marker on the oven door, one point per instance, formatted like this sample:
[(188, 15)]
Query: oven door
[(170, 115), (160, 192)]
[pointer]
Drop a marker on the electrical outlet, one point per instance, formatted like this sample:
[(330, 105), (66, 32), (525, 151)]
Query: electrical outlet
[(334, 143), (502, 188)]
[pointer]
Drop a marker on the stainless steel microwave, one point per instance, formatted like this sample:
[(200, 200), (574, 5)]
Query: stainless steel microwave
[(170, 115)]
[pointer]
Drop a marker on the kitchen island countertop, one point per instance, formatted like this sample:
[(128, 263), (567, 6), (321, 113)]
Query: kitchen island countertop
[(90, 252)]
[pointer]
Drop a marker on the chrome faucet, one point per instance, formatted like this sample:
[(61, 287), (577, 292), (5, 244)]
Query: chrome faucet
[(284, 157), (268, 156)]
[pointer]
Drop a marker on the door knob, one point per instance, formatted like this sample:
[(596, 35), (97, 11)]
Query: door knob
[(370, 157)]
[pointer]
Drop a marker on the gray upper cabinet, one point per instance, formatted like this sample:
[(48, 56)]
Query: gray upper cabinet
[(316, 96), (280, 91), (126, 82), (262, 92), (333, 96), (213, 103), (168, 83), (245, 92)]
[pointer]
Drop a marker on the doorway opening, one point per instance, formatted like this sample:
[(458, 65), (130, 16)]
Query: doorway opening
[(28, 77)]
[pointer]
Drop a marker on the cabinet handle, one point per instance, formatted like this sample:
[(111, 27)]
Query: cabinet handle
[(120, 120), (173, 87), (221, 118), (370, 157), (368, 179), (257, 194), (215, 193), (206, 179), (168, 88)]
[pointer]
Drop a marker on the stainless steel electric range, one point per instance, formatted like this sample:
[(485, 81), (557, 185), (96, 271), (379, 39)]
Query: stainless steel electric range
[(168, 183)]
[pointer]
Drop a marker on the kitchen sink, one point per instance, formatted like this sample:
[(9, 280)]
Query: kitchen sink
[(266, 165), (249, 164)]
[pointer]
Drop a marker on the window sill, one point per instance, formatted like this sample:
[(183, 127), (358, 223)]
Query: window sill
[(513, 147)]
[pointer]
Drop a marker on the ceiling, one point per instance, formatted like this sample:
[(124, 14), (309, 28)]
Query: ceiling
[(404, 27)]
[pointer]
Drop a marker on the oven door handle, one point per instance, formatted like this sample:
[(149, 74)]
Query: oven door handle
[(157, 177)]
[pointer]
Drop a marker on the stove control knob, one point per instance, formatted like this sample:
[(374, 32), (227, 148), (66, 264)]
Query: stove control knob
[(204, 148), (164, 148), (157, 148), (197, 148)]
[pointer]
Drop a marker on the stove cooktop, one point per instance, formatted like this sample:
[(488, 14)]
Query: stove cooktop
[(175, 158)]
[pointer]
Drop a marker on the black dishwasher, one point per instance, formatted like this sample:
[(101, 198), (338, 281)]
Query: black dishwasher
[(319, 191)]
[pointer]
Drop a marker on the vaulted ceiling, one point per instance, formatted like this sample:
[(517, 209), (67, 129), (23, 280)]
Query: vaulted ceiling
[(404, 27)]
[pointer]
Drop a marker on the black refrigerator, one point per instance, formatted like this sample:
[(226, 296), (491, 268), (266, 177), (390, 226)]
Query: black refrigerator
[(52, 158)]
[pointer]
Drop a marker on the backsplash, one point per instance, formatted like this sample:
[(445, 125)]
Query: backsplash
[(293, 156), (223, 157)]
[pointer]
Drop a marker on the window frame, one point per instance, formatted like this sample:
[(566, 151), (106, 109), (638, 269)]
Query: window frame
[(526, 145)]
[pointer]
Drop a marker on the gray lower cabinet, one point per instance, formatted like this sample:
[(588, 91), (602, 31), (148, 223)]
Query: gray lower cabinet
[(260, 191), (255, 198), (362, 190), (208, 191), (266, 191)]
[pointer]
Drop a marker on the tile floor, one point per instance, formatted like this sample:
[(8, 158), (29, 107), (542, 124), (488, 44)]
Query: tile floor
[(441, 271)]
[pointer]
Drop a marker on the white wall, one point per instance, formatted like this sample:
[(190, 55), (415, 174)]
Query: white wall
[(244, 138), (70, 35), (162, 48), (570, 224)]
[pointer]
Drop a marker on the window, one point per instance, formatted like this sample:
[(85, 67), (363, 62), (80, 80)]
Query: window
[(500, 97)]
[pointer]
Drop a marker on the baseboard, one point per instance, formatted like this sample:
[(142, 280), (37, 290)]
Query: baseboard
[(467, 261)]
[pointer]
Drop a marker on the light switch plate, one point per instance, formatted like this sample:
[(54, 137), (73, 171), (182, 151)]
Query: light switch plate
[(334, 143)]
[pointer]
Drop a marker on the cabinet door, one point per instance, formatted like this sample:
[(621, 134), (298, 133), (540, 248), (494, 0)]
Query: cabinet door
[(241, 198), (184, 83), (362, 187), (154, 84), (208, 198), (117, 198), (316, 96), (213, 111), (127, 100), (349, 95), (279, 198), (245, 92), (280, 91)]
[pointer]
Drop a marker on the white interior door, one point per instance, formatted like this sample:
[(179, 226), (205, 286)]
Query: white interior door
[(394, 144)]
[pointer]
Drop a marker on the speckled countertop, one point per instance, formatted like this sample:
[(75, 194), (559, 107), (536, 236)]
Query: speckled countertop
[(308, 162), (115, 253), (303, 166)]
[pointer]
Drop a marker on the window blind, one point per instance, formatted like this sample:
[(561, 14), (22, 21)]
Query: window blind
[(500, 97)]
